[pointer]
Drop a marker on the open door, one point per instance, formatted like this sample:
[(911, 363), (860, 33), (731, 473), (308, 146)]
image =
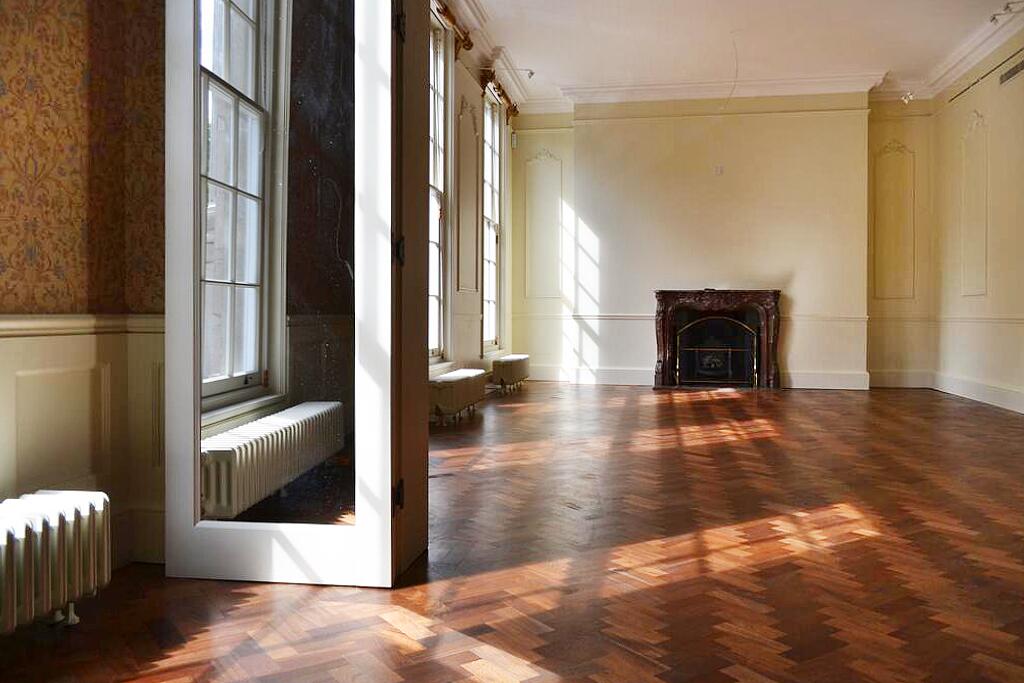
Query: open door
[(288, 340)]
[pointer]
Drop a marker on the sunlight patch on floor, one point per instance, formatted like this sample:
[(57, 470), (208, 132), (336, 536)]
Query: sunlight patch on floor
[(720, 432)]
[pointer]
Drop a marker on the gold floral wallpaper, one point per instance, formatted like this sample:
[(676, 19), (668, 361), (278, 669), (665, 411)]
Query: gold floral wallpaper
[(81, 156)]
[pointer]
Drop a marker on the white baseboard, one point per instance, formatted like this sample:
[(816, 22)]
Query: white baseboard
[(645, 377), (1000, 396), (825, 380), (905, 379), (1006, 397), (628, 376)]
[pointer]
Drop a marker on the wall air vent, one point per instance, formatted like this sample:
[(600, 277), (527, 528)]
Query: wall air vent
[(1011, 72)]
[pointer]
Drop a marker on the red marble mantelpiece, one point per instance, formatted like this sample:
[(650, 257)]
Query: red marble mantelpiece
[(671, 302)]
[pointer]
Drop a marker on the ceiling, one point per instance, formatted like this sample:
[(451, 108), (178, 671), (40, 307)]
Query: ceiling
[(620, 50)]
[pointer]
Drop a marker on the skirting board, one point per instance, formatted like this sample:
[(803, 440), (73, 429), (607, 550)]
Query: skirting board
[(645, 377), (999, 396)]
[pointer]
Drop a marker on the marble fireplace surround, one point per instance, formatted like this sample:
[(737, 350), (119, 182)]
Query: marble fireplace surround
[(721, 301)]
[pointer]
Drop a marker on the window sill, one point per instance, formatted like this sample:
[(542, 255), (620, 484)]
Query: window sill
[(440, 367), (494, 352), (221, 417)]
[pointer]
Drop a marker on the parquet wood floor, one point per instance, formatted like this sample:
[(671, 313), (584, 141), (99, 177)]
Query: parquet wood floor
[(609, 534)]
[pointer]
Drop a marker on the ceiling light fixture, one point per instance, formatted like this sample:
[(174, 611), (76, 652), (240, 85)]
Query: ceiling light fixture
[(907, 97)]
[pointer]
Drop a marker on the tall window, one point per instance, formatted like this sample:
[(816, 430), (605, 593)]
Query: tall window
[(438, 188), (492, 220), (232, 162)]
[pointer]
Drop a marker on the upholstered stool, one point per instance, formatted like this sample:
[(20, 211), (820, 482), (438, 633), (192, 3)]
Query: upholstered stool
[(510, 371), (456, 392)]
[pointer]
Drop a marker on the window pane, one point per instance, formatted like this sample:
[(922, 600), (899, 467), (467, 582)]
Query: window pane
[(246, 330), (247, 6), (243, 54), (434, 316), (216, 314), (247, 241), (489, 310), (218, 232), (250, 150), (220, 135), (434, 259), (212, 35), (494, 281), (435, 217)]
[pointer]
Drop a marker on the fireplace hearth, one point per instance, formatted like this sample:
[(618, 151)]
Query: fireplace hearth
[(716, 337)]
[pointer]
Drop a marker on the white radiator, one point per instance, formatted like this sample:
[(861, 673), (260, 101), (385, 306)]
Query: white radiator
[(54, 549), (244, 465)]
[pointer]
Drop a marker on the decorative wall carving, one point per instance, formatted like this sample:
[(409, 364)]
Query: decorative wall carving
[(974, 207), (543, 198), (469, 158), (764, 301), (894, 221)]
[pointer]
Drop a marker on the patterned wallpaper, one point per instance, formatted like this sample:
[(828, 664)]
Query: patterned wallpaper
[(81, 156)]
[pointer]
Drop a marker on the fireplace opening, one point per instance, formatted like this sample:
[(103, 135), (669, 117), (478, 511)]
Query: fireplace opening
[(716, 349), (717, 337)]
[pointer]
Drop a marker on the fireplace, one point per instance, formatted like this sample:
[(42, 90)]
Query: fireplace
[(714, 337)]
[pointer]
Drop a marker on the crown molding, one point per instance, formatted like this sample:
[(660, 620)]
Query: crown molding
[(474, 17), (602, 94), (978, 46), (476, 12), (966, 56), (971, 52), (509, 75), (546, 105)]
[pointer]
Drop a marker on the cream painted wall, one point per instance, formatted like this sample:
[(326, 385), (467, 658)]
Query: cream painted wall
[(961, 328), (901, 277), (81, 407), (464, 246), (620, 200), (979, 223)]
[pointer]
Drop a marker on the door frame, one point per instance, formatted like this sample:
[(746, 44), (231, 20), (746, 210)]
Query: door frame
[(358, 554)]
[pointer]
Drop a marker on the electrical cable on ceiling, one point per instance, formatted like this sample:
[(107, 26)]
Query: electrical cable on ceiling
[(735, 72), (1009, 9)]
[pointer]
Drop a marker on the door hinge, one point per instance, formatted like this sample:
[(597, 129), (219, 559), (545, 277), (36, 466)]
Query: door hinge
[(399, 21), (398, 496), (399, 247)]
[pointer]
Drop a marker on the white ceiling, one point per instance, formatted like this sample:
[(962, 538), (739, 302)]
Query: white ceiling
[(617, 50)]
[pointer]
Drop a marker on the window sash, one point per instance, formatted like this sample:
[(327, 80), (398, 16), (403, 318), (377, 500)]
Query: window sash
[(492, 210), (438, 230), (233, 298)]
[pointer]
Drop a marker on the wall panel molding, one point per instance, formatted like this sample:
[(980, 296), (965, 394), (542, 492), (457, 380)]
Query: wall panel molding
[(974, 207), (55, 325), (62, 422), (467, 209), (543, 225), (894, 224)]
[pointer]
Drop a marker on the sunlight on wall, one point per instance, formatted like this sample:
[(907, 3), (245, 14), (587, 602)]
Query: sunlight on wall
[(580, 283)]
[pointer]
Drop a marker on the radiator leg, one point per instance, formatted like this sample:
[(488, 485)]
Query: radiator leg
[(72, 618)]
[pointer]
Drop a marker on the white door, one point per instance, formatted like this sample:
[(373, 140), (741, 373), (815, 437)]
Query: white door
[(197, 545)]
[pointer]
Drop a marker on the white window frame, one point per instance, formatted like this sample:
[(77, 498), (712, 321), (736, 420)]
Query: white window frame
[(440, 66), (492, 225), (243, 387)]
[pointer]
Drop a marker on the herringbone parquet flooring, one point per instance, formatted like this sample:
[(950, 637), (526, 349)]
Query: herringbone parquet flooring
[(610, 534)]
